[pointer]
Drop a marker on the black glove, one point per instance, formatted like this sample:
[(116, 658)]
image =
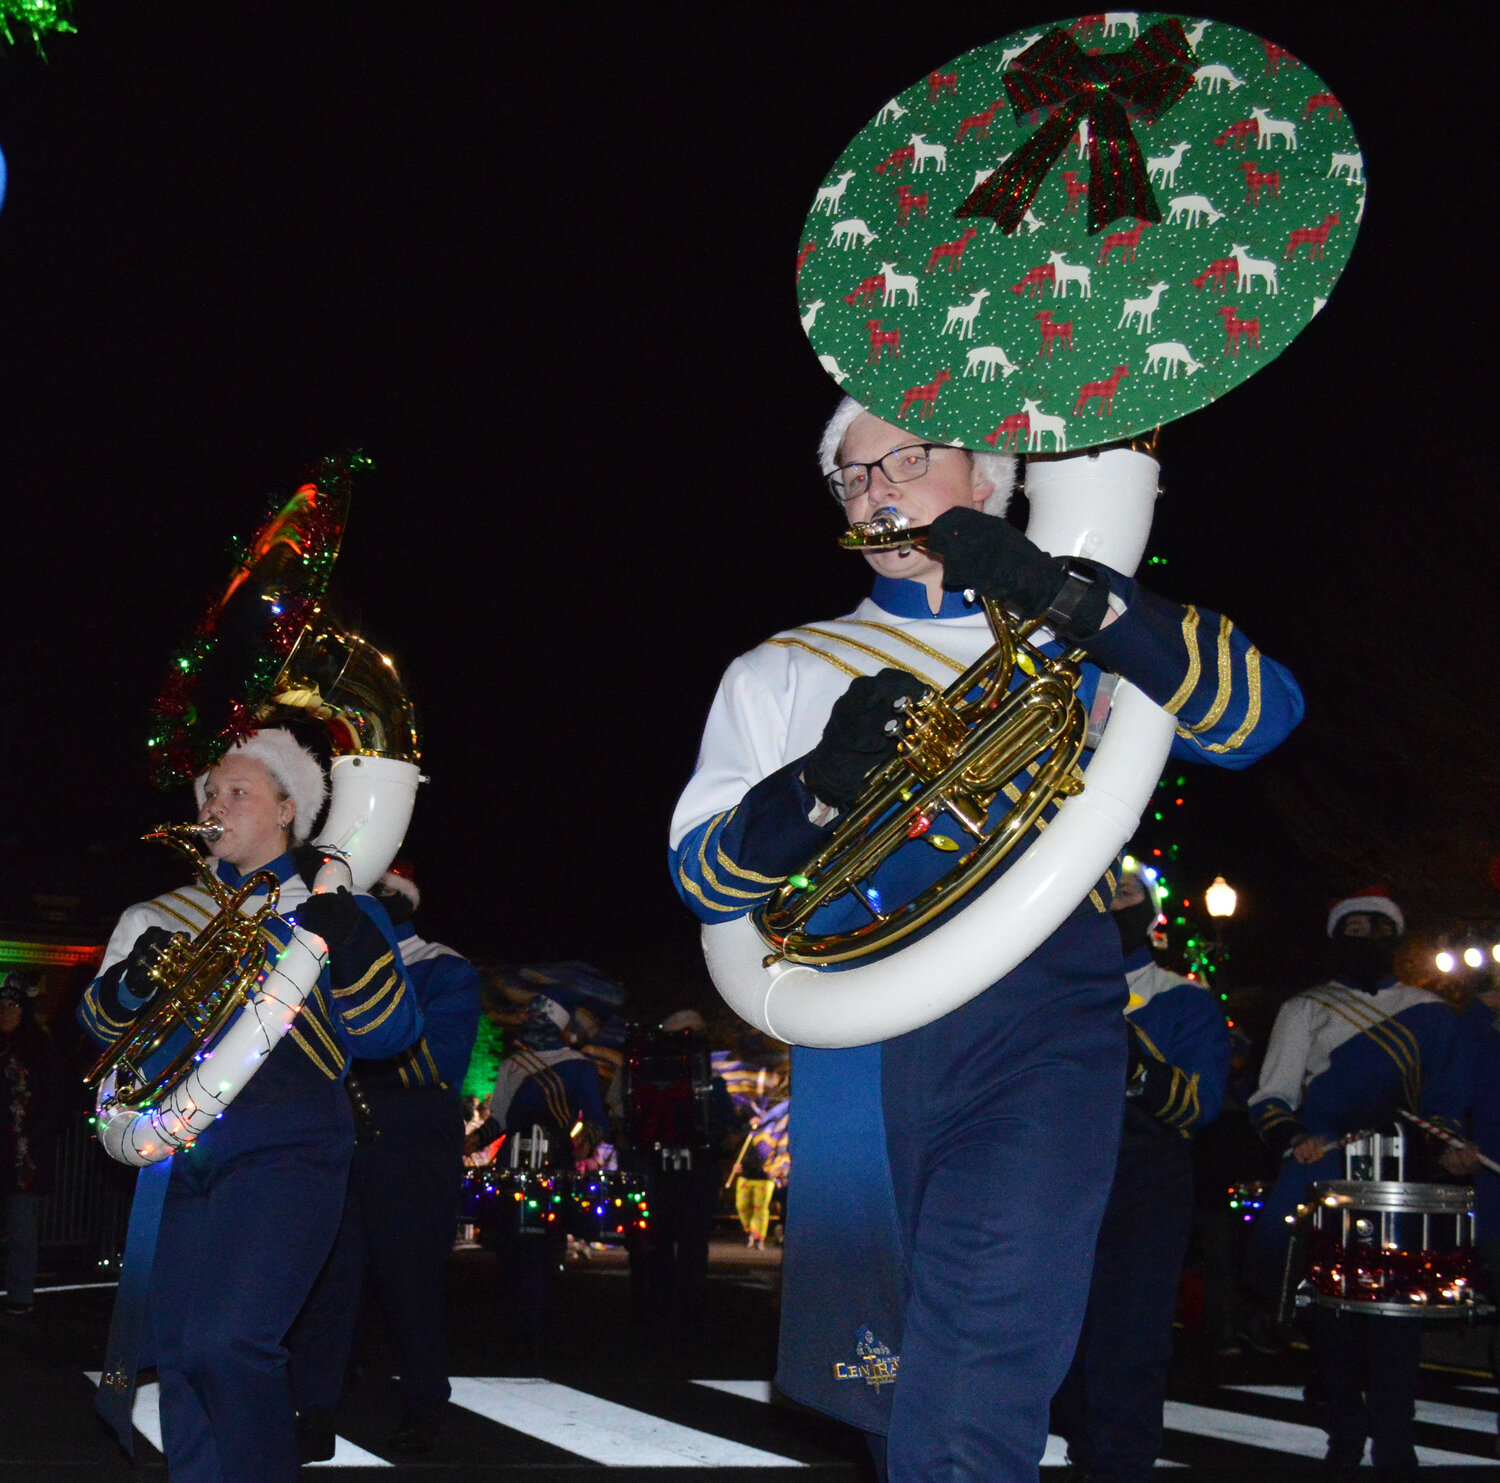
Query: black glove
[(990, 556), (335, 917), (309, 860), (136, 974), (863, 731), (132, 973), (1138, 1058)]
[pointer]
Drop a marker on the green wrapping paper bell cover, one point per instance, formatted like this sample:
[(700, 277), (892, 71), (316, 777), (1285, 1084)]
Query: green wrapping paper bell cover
[(1054, 338)]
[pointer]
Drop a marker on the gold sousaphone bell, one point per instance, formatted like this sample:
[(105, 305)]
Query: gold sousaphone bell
[(960, 749)]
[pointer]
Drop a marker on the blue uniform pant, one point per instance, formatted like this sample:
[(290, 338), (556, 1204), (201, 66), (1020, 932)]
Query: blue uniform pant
[(243, 1234), (1110, 1406), (1002, 1127), (399, 1221), (1369, 1364), (20, 1248)]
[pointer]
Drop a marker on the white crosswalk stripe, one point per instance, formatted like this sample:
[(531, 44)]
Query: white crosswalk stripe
[(601, 1430), (145, 1416), (749, 1390), (1436, 1413), (1284, 1436)]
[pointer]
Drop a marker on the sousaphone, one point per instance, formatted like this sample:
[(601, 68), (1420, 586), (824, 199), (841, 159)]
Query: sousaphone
[(267, 652)]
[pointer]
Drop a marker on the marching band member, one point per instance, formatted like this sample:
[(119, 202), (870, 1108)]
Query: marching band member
[(401, 1210), (251, 1209), (1341, 1059), (546, 1101), (950, 1181), (1110, 1405)]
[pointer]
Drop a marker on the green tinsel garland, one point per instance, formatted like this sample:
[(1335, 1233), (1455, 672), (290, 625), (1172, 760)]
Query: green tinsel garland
[(34, 17)]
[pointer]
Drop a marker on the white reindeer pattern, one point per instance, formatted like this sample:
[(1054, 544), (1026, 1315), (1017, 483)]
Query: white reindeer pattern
[(1067, 273), (984, 359), (963, 315), (1273, 128), (1169, 355), (1190, 209), (1166, 165), (895, 283), (1042, 423), (1251, 268), (1142, 311), (1215, 76), (845, 232), (925, 152), (828, 196)]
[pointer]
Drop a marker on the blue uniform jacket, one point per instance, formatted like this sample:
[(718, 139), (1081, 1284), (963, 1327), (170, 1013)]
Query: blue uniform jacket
[(1232, 704), (1185, 1043)]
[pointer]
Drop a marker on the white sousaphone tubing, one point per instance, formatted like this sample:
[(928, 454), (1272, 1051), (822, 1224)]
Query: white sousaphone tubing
[(1091, 505)]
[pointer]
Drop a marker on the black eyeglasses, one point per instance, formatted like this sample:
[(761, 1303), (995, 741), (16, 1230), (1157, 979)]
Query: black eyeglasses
[(900, 466)]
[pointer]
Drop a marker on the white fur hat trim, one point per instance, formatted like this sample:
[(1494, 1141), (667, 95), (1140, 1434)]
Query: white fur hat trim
[(400, 886), (1380, 904), (998, 468), (295, 769)]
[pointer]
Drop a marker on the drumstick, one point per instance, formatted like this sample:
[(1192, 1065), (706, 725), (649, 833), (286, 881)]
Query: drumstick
[(1451, 1139)]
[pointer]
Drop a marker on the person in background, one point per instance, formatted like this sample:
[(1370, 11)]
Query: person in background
[(31, 1110), (1109, 1407), (401, 1210), (1342, 1058), (753, 1189)]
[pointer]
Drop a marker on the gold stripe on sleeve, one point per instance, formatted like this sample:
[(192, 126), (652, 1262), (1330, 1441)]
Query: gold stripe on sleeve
[(376, 1024), (1252, 710), (1195, 664), (1225, 659), (374, 968)]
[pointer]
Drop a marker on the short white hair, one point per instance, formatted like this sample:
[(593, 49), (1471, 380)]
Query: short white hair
[(297, 772), (998, 468)]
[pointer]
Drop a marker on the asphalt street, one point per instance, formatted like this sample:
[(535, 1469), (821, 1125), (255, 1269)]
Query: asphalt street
[(642, 1400)]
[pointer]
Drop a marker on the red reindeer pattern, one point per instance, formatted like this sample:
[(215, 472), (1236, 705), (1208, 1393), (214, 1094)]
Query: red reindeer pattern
[(1012, 429), (880, 339), (1127, 242), (867, 290), (1086, 25), (953, 251), (1276, 55), (906, 203), (1076, 189), (1033, 281), (1239, 133), (979, 122), (898, 160), (938, 81), (1051, 331), (926, 395), (808, 248), (1104, 390), (1255, 179), (1315, 237), (1234, 327), (1218, 270), (1323, 100)]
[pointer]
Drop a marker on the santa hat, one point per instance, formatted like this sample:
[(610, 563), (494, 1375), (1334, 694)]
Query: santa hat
[(1376, 900), (297, 772), (998, 468), (397, 881)]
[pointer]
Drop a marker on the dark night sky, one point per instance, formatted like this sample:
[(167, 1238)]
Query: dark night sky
[(536, 258)]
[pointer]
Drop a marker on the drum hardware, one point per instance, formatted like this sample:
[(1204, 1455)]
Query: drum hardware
[(1379, 1243)]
